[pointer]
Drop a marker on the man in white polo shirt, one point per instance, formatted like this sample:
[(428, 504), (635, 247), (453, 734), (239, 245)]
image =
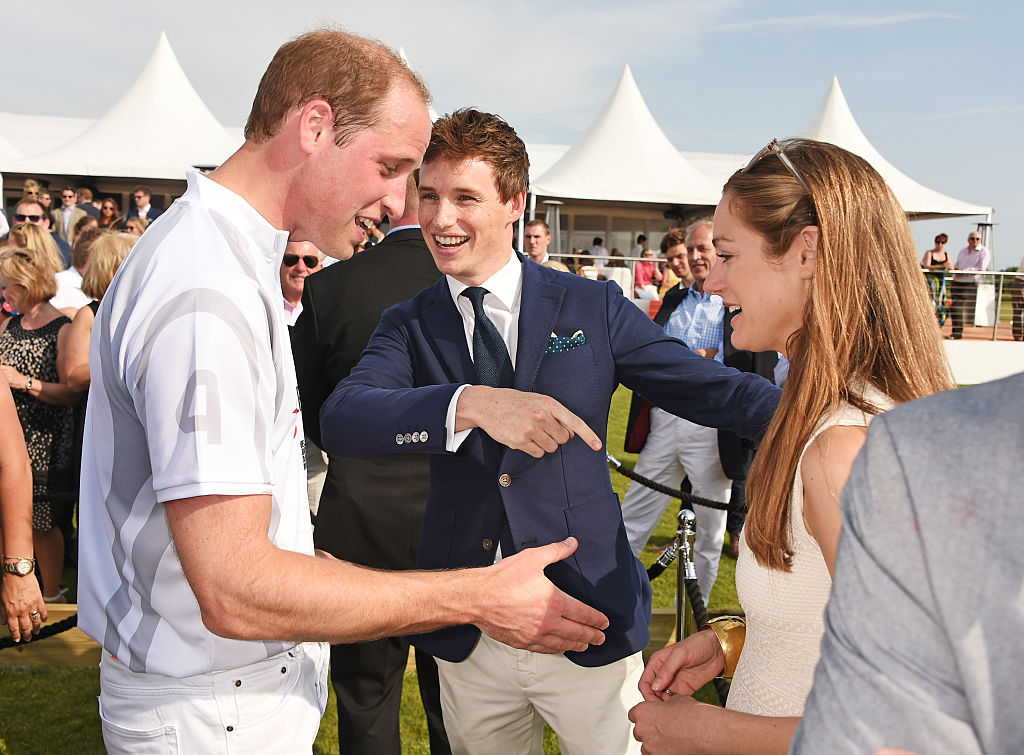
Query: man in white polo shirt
[(196, 570)]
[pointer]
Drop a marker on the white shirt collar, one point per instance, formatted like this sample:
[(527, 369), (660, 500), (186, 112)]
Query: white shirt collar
[(401, 228), (505, 284), (142, 211), (269, 240)]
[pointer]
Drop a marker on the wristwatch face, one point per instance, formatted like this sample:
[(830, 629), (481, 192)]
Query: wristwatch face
[(24, 567)]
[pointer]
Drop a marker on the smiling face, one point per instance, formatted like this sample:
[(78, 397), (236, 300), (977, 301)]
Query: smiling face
[(293, 277), (678, 263), (700, 254), (466, 224), (14, 293), (772, 292), (973, 240), (341, 187)]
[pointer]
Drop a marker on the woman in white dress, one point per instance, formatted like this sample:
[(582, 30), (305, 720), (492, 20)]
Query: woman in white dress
[(817, 253)]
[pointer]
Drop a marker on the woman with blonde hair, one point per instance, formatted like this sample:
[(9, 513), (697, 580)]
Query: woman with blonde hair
[(40, 244), (136, 225), (108, 251), (797, 233), (31, 344)]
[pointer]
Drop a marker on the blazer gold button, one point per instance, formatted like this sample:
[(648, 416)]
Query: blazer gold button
[(415, 437), (488, 544), (504, 481), (423, 436), (408, 437), (399, 439)]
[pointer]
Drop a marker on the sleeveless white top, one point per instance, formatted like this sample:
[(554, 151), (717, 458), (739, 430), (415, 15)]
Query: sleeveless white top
[(785, 611)]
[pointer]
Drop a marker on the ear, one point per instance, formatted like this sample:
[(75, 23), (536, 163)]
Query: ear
[(516, 206), (315, 125), (808, 245)]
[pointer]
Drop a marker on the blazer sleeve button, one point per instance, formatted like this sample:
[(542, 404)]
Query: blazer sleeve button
[(504, 481), (488, 544)]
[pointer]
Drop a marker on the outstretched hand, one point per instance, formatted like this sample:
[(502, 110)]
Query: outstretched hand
[(683, 667), (528, 612), (529, 422)]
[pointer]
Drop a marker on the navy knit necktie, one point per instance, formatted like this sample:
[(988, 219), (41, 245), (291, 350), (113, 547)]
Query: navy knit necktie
[(493, 368), (490, 355)]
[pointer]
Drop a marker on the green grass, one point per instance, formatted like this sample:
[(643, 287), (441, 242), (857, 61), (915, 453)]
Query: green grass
[(45, 711)]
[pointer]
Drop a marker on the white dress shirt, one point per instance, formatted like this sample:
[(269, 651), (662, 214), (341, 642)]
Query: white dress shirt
[(501, 304)]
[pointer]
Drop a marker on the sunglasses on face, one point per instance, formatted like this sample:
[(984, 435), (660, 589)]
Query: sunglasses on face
[(27, 218), (310, 260)]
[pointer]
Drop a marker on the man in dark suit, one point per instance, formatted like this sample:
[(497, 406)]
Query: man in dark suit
[(143, 209), (499, 371), (371, 510)]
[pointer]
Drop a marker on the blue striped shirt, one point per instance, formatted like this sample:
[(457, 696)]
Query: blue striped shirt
[(698, 321)]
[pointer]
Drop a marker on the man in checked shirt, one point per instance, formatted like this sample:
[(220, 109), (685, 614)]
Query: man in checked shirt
[(676, 447)]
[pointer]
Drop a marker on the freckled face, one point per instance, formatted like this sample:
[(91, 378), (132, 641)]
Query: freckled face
[(464, 220)]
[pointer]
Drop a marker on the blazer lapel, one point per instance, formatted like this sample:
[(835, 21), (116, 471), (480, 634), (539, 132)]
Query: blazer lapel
[(443, 321), (540, 303)]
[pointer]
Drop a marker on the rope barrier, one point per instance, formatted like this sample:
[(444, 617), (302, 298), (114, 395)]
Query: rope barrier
[(47, 631), (664, 489)]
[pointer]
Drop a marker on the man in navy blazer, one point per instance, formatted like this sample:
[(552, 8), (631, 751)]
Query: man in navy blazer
[(520, 465)]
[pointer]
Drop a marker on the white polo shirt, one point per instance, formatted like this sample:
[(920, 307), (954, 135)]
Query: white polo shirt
[(193, 393)]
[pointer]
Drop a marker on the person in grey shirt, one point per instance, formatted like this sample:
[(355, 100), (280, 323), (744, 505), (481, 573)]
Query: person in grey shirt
[(922, 647)]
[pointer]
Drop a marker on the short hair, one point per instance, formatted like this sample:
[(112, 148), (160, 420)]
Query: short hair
[(23, 267), (25, 202), (641, 239), (108, 251), (538, 222), (598, 241), (674, 237), (144, 189), (942, 238), (82, 247), (350, 73), (85, 193), (469, 134), (698, 224), (83, 222), (40, 244), (68, 188)]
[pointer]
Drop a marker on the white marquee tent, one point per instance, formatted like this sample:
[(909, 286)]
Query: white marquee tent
[(834, 123), (625, 156), (159, 128)]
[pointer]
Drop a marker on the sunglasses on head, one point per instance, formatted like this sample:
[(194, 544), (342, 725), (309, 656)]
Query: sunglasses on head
[(773, 147), (29, 218), (310, 260)]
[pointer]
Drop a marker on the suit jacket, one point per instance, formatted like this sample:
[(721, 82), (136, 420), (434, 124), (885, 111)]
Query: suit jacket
[(417, 359), (734, 451), (371, 510), (58, 222), (922, 636), (152, 214)]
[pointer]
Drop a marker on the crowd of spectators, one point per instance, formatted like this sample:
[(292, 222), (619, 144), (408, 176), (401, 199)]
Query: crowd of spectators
[(55, 264)]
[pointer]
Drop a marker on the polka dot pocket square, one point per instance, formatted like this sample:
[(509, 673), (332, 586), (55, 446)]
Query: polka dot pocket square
[(558, 344)]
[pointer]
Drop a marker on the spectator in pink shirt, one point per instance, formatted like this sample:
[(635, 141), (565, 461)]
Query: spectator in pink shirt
[(646, 276), (974, 256)]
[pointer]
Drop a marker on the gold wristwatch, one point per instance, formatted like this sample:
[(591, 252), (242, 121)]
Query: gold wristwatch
[(20, 567)]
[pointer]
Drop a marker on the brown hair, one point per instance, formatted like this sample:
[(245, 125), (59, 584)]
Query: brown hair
[(83, 246), (868, 320), (469, 134), (23, 267), (40, 244), (352, 74), (538, 222), (674, 237), (85, 193), (83, 222), (108, 251)]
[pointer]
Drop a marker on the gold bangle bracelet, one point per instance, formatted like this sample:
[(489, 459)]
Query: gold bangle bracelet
[(731, 632)]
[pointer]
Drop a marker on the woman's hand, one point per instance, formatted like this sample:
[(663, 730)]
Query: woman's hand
[(14, 378), (20, 598), (683, 668)]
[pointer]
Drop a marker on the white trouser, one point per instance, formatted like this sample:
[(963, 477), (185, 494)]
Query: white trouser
[(316, 474), (678, 448), (497, 700), (269, 706)]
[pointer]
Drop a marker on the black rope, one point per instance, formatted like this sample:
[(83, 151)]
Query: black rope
[(658, 487), (700, 618), (47, 631)]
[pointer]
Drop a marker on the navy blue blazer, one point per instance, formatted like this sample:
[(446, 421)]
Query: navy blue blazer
[(417, 359)]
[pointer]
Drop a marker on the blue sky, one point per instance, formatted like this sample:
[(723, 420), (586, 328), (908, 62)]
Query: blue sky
[(936, 87)]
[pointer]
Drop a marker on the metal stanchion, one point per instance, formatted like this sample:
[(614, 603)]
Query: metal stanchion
[(685, 533)]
